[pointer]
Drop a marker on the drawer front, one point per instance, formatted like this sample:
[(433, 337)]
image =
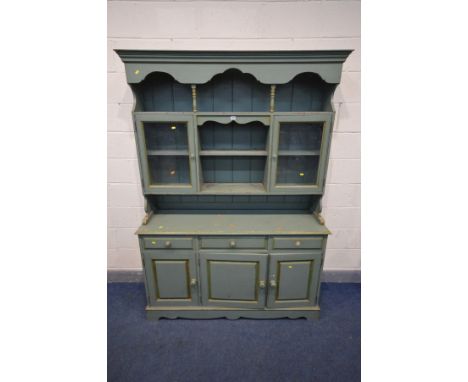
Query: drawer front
[(167, 243), (297, 243), (233, 243)]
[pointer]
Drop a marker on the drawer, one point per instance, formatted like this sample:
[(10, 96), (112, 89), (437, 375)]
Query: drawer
[(297, 243), (168, 243), (233, 243)]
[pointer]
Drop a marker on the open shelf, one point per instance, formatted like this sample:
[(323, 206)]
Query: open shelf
[(233, 188), (167, 152), (233, 169), (233, 153), (233, 136), (233, 157), (298, 152)]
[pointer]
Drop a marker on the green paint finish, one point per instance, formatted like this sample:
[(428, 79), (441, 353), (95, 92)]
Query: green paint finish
[(233, 224), (171, 278), (293, 279), (165, 171), (232, 314), (297, 243), (233, 148), (268, 67), (303, 170), (233, 242), (233, 280), (167, 243)]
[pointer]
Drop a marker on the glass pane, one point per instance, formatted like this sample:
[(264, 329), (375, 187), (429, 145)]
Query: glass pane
[(169, 169), (297, 169), (228, 169), (300, 136), (233, 136), (166, 136)]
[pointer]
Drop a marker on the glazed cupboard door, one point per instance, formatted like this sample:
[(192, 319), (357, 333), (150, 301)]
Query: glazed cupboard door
[(171, 278), (293, 279), (233, 280), (167, 153), (300, 152)]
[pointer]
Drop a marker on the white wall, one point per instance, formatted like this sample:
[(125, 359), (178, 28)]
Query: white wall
[(236, 25)]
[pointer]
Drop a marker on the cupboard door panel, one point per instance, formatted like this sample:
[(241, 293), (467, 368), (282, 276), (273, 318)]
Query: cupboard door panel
[(171, 278), (233, 280), (293, 279), (300, 152), (167, 153)]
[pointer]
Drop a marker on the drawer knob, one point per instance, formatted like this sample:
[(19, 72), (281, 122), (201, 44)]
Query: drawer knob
[(261, 284), (232, 244), (297, 243), (273, 283), (193, 282), (168, 244)]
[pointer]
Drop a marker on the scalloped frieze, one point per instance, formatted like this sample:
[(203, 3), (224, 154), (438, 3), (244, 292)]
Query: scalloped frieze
[(267, 67)]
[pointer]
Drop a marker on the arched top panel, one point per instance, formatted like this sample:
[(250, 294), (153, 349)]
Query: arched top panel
[(233, 91), (305, 92), (199, 67), (161, 92)]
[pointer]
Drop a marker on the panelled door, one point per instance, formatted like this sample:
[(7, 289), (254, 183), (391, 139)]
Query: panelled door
[(171, 278), (300, 150), (167, 153), (233, 280), (293, 279)]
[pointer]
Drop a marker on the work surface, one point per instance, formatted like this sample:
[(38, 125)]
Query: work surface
[(244, 350), (233, 224)]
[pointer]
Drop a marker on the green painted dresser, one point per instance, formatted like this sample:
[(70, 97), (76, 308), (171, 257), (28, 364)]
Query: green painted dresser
[(233, 151)]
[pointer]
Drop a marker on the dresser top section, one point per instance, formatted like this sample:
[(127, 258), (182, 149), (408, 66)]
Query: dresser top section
[(198, 67), (233, 224)]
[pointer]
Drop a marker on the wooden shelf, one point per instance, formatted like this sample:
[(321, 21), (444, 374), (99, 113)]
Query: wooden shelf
[(233, 153), (233, 188), (298, 153), (233, 224), (167, 152)]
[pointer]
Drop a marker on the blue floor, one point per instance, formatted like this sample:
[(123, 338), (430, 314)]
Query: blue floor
[(234, 350)]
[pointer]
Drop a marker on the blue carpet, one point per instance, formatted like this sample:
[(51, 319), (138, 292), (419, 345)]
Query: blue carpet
[(325, 350)]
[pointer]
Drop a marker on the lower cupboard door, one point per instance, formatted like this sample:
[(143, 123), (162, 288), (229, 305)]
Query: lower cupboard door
[(171, 278), (293, 279), (233, 280)]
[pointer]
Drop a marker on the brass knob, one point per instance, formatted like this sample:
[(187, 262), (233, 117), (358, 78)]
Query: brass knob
[(193, 282), (261, 284), (168, 244), (297, 243), (273, 283), (232, 244)]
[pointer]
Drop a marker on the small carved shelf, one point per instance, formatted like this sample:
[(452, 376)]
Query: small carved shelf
[(233, 150)]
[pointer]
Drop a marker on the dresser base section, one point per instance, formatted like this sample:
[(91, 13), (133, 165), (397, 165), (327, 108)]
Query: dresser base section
[(199, 313)]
